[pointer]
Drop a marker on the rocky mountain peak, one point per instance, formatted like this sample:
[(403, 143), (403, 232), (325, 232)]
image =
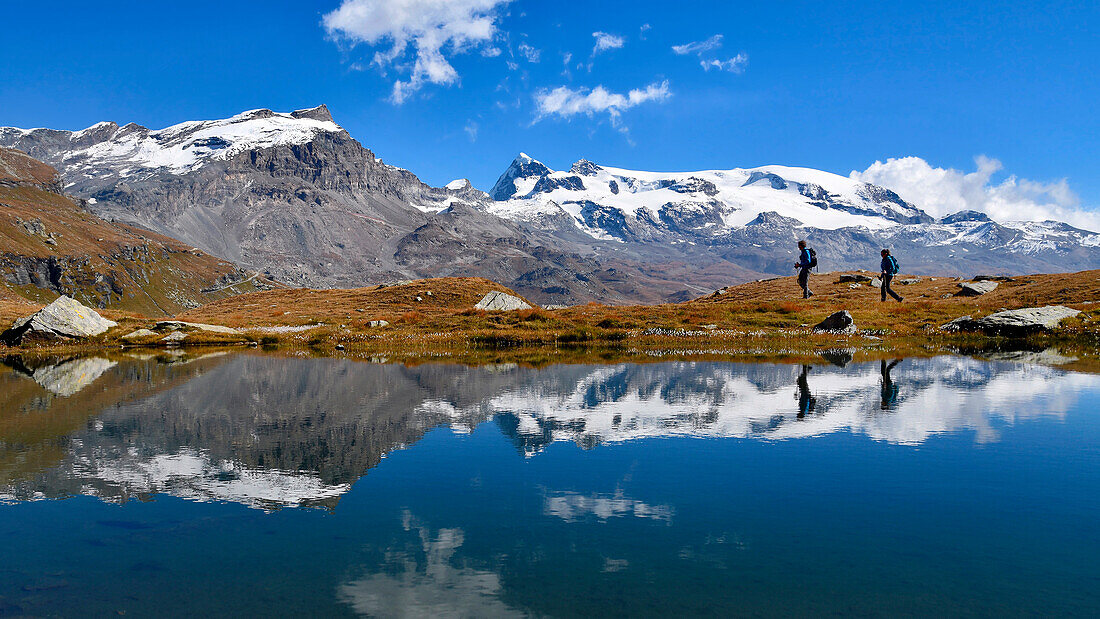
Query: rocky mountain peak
[(320, 113), (522, 167), (585, 167), (962, 216)]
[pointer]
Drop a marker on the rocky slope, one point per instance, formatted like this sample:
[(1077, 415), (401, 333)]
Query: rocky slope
[(50, 245), (752, 217), (294, 196)]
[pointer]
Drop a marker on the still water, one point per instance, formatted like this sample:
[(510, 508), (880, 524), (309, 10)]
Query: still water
[(259, 485)]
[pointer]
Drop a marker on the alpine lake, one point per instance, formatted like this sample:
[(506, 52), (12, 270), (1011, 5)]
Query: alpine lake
[(252, 484)]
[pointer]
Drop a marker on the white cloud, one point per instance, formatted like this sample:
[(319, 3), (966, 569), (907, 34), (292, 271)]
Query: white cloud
[(644, 29), (434, 29), (566, 102), (471, 130), (698, 47), (733, 65), (707, 60), (605, 41), (943, 191), (530, 53)]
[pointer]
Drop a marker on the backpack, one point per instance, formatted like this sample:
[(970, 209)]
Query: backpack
[(813, 257), (893, 265)]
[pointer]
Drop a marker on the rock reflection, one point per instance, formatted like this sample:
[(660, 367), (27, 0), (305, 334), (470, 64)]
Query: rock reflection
[(65, 377), (272, 432)]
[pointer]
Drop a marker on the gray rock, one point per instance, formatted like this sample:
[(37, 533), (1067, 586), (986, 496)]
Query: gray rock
[(975, 289), (378, 323), (65, 318), (840, 322), (909, 281), (876, 282), (137, 335), (848, 277), (962, 323), (855, 286), (499, 301), (1014, 322), (174, 337), (179, 325)]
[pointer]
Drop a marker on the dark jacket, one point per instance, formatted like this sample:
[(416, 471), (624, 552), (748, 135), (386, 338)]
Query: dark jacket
[(804, 259)]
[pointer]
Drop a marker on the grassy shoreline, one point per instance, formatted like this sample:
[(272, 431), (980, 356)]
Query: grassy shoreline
[(434, 319)]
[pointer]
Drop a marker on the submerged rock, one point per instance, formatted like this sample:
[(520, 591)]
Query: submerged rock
[(840, 322), (501, 301), (1014, 322), (63, 319), (975, 289)]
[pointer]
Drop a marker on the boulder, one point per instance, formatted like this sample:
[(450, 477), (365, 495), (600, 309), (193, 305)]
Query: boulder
[(63, 319), (1014, 322), (378, 323), (909, 281), (962, 323), (179, 325), (137, 335), (876, 282), (174, 337), (840, 322), (975, 289), (854, 286), (501, 301), (850, 278)]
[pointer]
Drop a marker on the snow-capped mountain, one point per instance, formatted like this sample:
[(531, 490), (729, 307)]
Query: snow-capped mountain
[(135, 150), (293, 195), (707, 202), (751, 216)]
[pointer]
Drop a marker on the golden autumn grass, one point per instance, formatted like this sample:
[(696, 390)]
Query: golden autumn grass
[(433, 319)]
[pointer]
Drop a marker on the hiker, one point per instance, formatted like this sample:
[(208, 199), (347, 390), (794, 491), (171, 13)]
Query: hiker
[(889, 270), (807, 260)]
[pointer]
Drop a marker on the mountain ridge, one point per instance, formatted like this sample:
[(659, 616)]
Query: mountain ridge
[(296, 197)]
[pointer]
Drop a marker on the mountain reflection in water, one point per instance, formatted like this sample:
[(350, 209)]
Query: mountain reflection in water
[(272, 432)]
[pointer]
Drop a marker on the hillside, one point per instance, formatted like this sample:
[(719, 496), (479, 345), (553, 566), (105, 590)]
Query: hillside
[(50, 245)]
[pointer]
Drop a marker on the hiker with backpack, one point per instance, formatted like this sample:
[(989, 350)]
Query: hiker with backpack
[(807, 259), (889, 270)]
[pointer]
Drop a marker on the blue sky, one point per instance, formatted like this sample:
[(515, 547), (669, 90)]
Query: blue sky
[(830, 85)]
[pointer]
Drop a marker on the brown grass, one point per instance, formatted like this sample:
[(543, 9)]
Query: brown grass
[(760, 318)]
